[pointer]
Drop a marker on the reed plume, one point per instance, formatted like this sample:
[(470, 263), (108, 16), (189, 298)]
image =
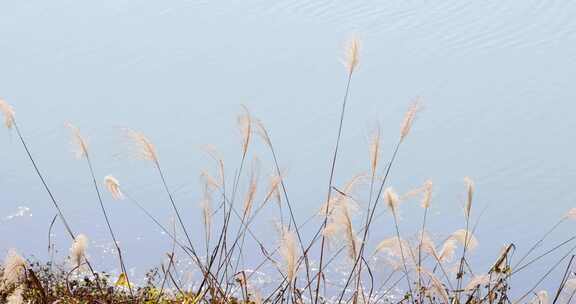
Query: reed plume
[(469, 194), (113, 186), (340, 225), (80, 144), (14, 268), (409, 119), (143, 147), (245, 126), (448, 250), (392, 246), (8, 113), (466, 238), (206, 205), (252, 188), (374, 151), (392, 201), (352, 55), (289, 253), (78, 250)]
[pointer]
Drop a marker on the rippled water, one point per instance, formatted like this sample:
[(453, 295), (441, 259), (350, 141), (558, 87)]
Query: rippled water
[(495, 78)]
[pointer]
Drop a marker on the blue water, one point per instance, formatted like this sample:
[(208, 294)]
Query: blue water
[(495, 80)]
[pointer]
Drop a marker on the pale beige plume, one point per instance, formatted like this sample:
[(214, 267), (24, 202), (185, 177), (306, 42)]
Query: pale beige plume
[(144, 148), (245, 126), (8, 113), (113, 186), (352, 55), (14, 268), (289, 253), (460, 235), (78, 250), (375, 150), (469, 195), (80, 144), (409, 119)]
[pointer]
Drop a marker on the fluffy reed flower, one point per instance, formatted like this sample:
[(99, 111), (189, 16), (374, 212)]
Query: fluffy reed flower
[(245, 126), (206, 205), (78, 250), (448, 250), (460, 236), (392, 200), (113, 186), (213, 153), (427, 244), (8, 113), (469, 194), (427, 197), (251, 194), (16, 296), (339, 198), (477, 281), (352, 54), (409, 119), (540, 298), (273, 188), (80, 144), (374, 151), (14, 268), (340, 225), (209, 180), (392, 245), (571, 214), (289, 253), (143, 147)]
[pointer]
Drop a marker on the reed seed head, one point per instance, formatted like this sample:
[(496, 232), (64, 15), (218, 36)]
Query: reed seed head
[(448, 250), (14, 268), (80, 144), (245, 126), (392, 200), (409, 119), (143, 147), (8, 113), (469, 195), (113, 186), (375, 150), (571, 214), (427, 195), (352, 54), (466, 238), (78, 250), (289, 253), (340, 226)]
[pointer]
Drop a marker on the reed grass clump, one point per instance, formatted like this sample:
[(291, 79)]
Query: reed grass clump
[(405, 266)]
